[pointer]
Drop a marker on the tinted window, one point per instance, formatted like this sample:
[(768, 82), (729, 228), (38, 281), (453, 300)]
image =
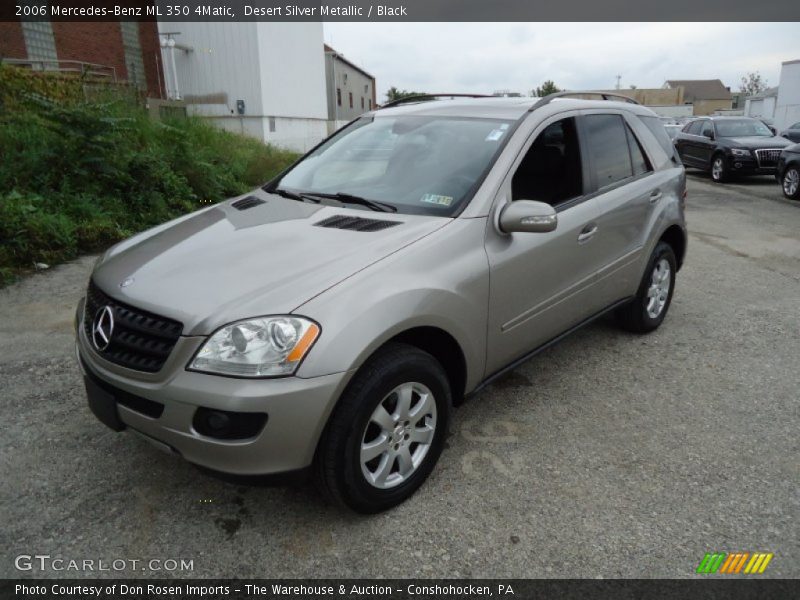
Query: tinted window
[(708, 129), (551, 169), (742, 127), (608, 146), (658, 130), (638, 160), (696, 128)]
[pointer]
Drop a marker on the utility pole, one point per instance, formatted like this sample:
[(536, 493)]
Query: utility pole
[(618, 79)]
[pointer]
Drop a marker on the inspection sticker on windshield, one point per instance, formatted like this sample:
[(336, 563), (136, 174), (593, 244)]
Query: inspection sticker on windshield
[(494, 135), (437, 199)]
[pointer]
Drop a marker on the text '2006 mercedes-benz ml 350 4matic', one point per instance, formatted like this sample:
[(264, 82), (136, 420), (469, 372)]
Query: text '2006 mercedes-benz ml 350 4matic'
[(331, 319)]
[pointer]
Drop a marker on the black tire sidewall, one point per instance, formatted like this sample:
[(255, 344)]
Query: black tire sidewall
[(662, 250), (356, 491)]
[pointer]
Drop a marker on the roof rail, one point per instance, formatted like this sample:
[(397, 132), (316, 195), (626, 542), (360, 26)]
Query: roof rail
[(423, 97), (603, 95)]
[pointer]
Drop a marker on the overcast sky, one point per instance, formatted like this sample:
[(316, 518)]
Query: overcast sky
[(486, 57)]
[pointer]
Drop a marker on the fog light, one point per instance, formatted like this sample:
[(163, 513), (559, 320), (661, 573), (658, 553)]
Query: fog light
[(738, 165), (228, 425), (217, 422)]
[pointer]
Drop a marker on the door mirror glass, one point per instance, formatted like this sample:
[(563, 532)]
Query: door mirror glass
[(528, 216)]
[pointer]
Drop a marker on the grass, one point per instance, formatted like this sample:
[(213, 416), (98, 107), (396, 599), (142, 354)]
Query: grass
[(78, 176)]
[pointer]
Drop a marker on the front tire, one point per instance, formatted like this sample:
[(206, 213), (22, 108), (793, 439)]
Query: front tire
[(790, 183), (651, 303), (719, 170), (387, 431)]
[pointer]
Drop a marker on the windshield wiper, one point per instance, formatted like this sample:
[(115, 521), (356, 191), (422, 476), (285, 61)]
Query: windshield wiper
[(293, 196), (351, 199)]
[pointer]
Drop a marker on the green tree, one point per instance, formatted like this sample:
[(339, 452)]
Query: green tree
[(548, 87), (395, 94), (752, 84)]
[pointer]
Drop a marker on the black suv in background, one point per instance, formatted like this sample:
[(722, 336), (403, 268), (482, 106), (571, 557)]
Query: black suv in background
[(726, 146)]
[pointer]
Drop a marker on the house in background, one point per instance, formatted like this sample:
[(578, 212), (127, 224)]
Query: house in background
[(350, 89), (705, 95), (118, 51), (262, 79)]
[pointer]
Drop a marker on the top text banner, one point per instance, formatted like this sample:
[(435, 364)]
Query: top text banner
[(401, 10)]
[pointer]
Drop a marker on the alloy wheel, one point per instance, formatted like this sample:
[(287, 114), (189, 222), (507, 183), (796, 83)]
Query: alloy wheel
[(791, 182), (398, 436), (658, 292), (717, 167)]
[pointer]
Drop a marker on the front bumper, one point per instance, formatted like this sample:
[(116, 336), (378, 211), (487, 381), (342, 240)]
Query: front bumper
[(748, 165), (297, 410)]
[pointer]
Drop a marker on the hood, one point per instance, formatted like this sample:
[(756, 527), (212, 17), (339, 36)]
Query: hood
[(758, 141), (222, 264)]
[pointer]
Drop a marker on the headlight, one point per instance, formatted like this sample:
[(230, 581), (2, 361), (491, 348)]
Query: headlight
[(740, 152), (262, 347)]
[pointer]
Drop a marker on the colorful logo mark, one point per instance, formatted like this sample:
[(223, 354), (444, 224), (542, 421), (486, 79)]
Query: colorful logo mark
[(732, 564)]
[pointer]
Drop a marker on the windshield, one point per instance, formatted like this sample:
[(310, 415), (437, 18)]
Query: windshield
[(417, 164), (742, 128)]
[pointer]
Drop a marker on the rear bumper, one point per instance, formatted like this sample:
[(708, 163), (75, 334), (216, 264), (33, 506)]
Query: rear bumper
[(297, 410)]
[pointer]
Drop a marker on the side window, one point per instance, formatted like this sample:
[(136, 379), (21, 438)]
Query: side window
[(795, 126), (608, 146), (638, 160), (551, 169), (657, 129), (708, 129), (696, 128)]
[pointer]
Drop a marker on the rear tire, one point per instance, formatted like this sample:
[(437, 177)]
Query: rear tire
[(790, 183), (397, 407), (719, 170), (651, 303)]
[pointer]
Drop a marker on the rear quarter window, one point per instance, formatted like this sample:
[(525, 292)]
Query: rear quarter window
[(657, 129)]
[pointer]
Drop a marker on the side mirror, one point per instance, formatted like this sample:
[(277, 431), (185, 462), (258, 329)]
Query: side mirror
[(709, 134), (528, 216)]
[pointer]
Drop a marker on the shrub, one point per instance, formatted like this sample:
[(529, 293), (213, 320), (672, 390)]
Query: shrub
[(76, 176)]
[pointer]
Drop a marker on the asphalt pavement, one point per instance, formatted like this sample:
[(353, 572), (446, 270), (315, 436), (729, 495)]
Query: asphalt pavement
[(609, 455)]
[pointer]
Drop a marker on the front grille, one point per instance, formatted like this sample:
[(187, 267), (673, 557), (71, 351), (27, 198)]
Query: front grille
[(139, 340), (768, 157), (355, 223)]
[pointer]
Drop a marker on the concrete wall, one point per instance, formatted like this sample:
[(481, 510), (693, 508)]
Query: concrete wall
[(652, 96), (760, 107), (707, 107), (675, 110), (276, 69), (787, 108)]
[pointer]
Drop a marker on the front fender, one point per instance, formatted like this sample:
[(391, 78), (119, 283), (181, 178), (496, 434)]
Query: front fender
[(441, 281)]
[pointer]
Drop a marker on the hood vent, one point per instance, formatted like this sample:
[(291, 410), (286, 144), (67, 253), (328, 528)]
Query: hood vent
[(355, 223), (247, 202)]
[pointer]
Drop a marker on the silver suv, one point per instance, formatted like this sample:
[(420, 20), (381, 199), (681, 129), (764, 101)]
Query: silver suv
[(332, 319)]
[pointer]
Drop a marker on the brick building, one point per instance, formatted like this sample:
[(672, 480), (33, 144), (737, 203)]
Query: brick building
[(128, 51)]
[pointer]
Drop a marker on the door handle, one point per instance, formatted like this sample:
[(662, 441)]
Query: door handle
[(587, 233), (655, 196)]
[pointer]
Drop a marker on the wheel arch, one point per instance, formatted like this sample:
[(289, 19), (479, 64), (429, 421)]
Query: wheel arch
[(675, 236)]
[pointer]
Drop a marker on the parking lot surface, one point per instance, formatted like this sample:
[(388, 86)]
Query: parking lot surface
[(609, 455)]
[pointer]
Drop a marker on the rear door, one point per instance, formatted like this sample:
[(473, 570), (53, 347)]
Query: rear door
[(628, 191), (689, 144)]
